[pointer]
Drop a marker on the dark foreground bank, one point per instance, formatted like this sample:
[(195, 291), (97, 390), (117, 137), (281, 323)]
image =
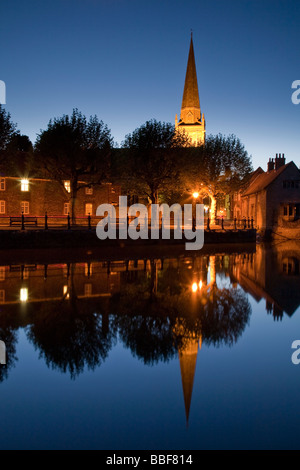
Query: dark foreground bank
[(44, 239)]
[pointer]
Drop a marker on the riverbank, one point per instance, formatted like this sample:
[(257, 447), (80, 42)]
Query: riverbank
[(87, 239)]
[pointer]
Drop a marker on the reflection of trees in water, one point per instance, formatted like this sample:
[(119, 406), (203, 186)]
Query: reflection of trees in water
[(148, 338), (225, 316), (156, 314), (69, 337), (8, 334), (159, 314)]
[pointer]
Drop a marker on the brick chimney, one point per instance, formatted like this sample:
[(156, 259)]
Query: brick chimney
[(271, 164), (279, 160)]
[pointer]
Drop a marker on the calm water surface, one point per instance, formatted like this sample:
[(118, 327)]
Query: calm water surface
[(177, 353)]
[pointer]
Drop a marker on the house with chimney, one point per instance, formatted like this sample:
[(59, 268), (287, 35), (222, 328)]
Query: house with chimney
[(272, 199)]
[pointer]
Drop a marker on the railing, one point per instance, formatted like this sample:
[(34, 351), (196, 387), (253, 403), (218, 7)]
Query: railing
[(65, 222), (236, 224)]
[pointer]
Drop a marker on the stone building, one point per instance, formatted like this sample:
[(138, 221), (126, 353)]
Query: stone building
[(191, 120), (272, 199)]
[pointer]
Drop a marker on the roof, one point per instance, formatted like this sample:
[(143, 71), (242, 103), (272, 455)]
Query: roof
[(190, 93), (263, 180)]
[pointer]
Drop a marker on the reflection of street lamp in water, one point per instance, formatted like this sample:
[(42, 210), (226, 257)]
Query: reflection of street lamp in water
[(194, 287), (195, 196)]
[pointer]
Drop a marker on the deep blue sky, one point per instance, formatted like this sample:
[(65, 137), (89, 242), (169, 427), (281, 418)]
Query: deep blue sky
[(125, 60)]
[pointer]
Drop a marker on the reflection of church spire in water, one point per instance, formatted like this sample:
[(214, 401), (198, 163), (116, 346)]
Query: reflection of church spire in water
[(188, 359)]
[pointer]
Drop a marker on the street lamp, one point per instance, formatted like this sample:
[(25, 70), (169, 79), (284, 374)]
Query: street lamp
[(195, 195)]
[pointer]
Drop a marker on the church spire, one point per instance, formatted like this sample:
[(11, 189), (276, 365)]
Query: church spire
[(190, 100), (191, 119)]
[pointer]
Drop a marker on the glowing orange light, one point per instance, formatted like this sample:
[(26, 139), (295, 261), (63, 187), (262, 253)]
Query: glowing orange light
[(195, 195), (200, 285), (195, 287)]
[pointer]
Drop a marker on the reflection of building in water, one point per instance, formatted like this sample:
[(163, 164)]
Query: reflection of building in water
[(188, 352), (188, 359), (42, 283), (272, 274), (182, 290)]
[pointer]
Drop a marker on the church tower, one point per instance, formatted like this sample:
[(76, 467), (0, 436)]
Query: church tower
[(191, 119)]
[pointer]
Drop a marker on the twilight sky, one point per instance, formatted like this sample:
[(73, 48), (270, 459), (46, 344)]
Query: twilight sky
[(125, 60)]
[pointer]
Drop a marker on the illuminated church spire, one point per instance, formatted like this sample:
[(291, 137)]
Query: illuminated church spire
[(191, 119)]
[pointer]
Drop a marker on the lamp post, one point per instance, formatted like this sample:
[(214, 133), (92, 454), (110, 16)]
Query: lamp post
[(195, 197)]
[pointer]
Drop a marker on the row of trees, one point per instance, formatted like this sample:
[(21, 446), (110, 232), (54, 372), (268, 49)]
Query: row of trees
[(154, 161)]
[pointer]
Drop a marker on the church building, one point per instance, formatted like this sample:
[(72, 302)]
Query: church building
[(191, 121)]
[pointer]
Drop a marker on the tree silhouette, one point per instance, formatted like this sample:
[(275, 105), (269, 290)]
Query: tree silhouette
[(7, 129), (76, 150), (216, 168), (150, 159)]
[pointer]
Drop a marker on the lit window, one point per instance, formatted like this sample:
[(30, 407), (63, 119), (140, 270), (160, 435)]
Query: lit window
[(89, 191), (88, 209), (25, 274), (88, 269), (2, 296), (2, 207), (67, 185), (88, 290), (25, 207), (24, 295), (2, 273), (2, 184), (25, 185), (66, 208), (66, 294)]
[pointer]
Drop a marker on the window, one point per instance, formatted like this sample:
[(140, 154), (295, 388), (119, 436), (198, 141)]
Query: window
[(2, 184), (25, 207), (66, 292), (24, 295), (89, 191), (88, 209), (67, 185), (25, 273), (288, 210), (88, 288), (2, 273), (88, 269), (66, 208), (25, 185), (2, 207), (291, 184)]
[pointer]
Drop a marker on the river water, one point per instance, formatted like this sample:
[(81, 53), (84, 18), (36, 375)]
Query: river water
[(174, 351)]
